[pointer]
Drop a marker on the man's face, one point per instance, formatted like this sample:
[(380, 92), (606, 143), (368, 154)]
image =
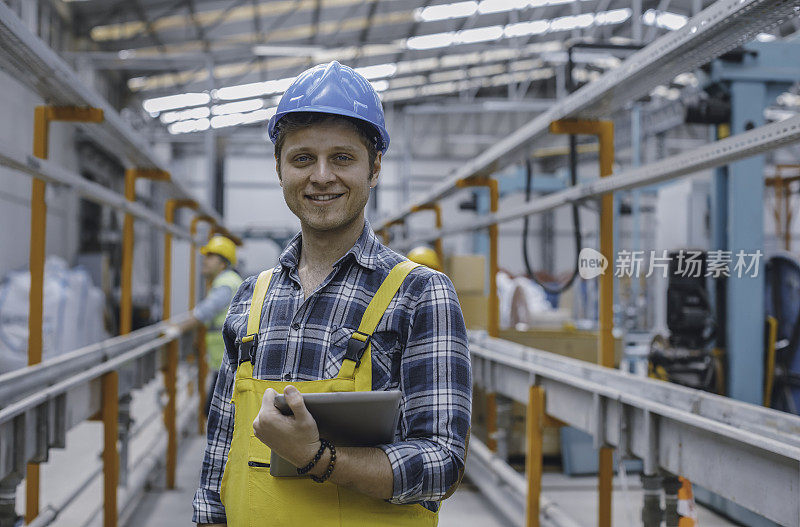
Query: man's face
[(213, 264), (325, 175)]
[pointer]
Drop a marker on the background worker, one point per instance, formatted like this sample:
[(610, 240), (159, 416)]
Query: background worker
[(426, 256), (315, 323), (219, 257)]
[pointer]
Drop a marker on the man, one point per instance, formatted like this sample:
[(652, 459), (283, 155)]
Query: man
[(219, 256), (315, 324)]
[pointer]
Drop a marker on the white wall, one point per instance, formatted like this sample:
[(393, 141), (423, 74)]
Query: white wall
[(17, 107)]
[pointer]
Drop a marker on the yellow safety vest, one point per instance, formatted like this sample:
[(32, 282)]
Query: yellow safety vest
[(215, 346), (251, 496)]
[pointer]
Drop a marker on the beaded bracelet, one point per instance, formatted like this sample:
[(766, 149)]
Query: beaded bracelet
[(331, 464), (322, 444)]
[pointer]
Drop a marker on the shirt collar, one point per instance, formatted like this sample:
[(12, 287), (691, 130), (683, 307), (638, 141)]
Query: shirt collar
[(364, 251)]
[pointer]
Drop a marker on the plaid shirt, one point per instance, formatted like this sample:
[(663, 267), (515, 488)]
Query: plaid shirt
[(419, 347)]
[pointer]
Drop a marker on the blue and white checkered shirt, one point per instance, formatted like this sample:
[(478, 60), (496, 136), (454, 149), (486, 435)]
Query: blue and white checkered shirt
[(419, 347)]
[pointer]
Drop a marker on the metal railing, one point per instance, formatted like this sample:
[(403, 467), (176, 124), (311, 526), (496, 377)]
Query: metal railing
[(741, 451), (34, 420)]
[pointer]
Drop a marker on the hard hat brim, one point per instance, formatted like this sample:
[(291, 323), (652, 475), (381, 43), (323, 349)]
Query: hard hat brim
[(272, 130)]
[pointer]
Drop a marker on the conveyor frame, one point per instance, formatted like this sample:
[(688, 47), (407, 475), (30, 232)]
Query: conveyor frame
[(741, 451)]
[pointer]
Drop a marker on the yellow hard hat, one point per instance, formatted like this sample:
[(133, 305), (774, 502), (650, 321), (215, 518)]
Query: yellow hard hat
[(222, 246), (425, 256)]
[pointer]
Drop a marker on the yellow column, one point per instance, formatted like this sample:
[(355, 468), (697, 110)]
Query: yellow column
[(110, 412), (126, 278), (493, 323), (171, 369), (437, 210), (202, 365), (42, 117), (534, 424), (604, 130)]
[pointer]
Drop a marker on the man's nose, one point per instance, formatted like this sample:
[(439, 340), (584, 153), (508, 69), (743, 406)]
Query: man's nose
[(322, 173)]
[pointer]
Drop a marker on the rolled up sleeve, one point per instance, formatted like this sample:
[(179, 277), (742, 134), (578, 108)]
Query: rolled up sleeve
[(435, 378)]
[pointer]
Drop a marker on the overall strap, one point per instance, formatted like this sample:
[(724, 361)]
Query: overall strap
[(250, 340), (359, 341)]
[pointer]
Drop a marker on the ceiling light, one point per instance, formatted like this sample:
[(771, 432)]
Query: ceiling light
[(254, 89), (615, 16), (664, 19), (445, 11), (766, 37), (173, 102), (523, 29), (480, 34), (567, 23), (287, 51), (381, 85), (234, 119), (237, 107), (192, 125), (192, 113), (499, 6), (436, 40), (378, 71)]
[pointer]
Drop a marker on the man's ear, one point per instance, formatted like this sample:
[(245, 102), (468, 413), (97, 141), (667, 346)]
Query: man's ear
[(376, 171), (278, 170)]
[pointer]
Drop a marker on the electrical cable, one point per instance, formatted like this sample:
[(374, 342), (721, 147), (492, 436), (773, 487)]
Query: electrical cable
[(575, 222)]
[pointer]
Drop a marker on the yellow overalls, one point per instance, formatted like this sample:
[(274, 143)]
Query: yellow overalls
[(252, 497)]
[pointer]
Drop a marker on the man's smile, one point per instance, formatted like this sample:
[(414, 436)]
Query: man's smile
[(323, 198)]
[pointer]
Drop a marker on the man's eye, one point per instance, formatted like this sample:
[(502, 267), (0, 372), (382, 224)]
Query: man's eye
[(302, 158), (343, 157)]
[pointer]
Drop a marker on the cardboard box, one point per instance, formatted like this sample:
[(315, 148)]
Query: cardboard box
[(475, 308), (573, 343), (468, 273)]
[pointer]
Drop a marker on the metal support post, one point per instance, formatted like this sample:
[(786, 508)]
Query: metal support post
[(110, 411), (437, 210), (42, 117), (534, 424), (123, 432), (671, 486), (126, 279), (604, 130), (202, 365), (171, 369), (651, 512), (8, 500)]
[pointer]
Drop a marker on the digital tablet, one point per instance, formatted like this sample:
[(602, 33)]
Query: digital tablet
[(346, 419)]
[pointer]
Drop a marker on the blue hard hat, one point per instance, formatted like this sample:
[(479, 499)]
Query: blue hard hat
[(334, 89)]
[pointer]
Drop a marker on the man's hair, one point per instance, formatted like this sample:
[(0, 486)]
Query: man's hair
[(294, 121)]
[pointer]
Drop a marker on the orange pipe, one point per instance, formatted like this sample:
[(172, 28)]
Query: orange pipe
[(42, 117)]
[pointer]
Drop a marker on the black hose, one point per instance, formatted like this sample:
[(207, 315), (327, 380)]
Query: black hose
[(557, 290)]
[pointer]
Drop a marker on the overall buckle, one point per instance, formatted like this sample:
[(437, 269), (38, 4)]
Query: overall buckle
[(357, 347), (248, 348)]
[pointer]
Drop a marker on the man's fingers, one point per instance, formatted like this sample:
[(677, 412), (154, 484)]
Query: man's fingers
[(268, 402), (295, 401)]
